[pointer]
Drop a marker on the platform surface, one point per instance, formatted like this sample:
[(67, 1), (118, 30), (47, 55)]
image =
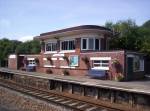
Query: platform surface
[(142, 86)]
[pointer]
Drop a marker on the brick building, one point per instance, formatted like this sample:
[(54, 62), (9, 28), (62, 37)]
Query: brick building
[(82, 50)]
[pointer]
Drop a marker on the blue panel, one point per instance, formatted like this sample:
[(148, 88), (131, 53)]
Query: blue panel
[(97, 73)]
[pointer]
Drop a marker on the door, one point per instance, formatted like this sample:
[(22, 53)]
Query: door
[(129, 68)]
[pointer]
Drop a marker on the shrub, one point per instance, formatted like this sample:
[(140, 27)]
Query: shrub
[(50, 60), (119, 77), (86, 61), (37, 61), (66, 58), (66, 72), (49, 71)]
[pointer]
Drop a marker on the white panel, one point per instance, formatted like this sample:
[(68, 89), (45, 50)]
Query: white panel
[(12, 56), (100, 58), (50, 52), (44, 59), (67, 51), (66, 67), (58, 55), (54, 58), (30, 58), (61, 59), (49, 66), (101, 68)]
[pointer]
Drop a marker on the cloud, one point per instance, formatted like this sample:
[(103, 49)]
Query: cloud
[(5, 23), (26, 38)]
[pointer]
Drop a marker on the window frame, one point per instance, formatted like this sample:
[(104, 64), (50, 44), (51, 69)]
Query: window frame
[(141, 66), (100, 67), (52, 42), (87, 43), (31, 63), (68, 45)]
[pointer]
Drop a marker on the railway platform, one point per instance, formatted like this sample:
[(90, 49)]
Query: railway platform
[(127, 96)]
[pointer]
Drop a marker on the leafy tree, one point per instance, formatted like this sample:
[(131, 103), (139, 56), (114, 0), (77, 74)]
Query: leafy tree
[(29, 47), (144, 31), (7, 47), (131, 36)]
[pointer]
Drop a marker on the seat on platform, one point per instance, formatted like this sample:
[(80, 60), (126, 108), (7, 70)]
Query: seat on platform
[(30, 68), (97, 73)]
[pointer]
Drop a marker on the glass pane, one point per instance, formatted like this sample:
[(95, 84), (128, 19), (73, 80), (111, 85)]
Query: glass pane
[(105, 65), (91, 43), (96, 44), (84, 43), (105, 61), (96, 65), (97, 61), (70, 45), (73, 45)]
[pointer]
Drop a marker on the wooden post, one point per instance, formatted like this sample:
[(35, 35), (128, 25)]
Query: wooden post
[(70, 88), (83, 90), (50, 84), (61, 86), (131, 99), (96, 93), (112, 97)]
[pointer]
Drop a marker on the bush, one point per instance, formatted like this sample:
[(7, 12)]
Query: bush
[(119, 77), (66, 72), (50, 60), (37, 61), (49, 71), (86, 61)]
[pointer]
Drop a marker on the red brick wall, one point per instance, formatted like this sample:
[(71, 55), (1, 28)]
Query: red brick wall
[(12, 63), (82, 68)]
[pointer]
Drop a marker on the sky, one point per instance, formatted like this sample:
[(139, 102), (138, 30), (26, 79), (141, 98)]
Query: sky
[(24, 19)]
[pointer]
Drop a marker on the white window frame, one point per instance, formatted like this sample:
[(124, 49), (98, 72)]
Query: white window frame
[(31, 62), (50, 51), (101, 67), (141, 64), (87, 43), (68, 45)]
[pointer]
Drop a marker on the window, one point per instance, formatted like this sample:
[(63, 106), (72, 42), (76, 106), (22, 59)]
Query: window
[(97, 44), (84, 43), (90, 44), (101, 64), (68, 45), (31, 62), (138, 64), (51, 47)]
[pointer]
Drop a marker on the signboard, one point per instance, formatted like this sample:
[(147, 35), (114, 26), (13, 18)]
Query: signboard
[(74, 60)]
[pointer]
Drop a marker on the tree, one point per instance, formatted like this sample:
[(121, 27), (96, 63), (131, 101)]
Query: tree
[(144, 30), (7, 47), (128, 37), (29, 47)]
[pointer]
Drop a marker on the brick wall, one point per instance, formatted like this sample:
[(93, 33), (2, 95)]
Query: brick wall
[(82, 69), (12, 62)]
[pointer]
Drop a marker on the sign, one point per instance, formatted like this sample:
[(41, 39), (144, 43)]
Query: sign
[(74, 60)]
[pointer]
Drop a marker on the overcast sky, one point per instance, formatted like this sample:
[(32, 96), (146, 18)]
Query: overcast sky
[(23, 19)]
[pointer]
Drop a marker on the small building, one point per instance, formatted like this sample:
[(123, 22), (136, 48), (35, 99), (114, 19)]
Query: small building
[(84, 50)]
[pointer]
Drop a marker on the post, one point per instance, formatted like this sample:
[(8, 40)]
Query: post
[(96, 93), (112, 97)]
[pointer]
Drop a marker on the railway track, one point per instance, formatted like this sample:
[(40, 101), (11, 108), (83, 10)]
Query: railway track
[(74, 104)]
